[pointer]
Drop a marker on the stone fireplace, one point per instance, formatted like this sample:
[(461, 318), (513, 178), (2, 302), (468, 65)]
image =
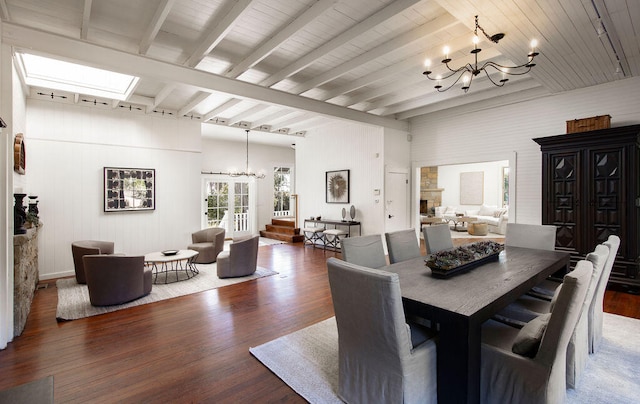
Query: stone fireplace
[(430, 194), (25, 276)]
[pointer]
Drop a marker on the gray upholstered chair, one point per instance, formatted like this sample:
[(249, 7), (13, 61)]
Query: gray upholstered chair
[(437, 238), (529, 365), (527, 307), (402, 245), (240, 260), (116, 279), (366, 251), (87, 247), (596, 308), (382, 359), (541, 237), (208, 243)]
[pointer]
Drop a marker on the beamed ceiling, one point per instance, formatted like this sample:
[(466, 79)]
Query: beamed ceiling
[(288, 66)]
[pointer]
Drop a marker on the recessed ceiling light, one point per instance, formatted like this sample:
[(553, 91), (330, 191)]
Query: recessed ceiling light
[(56, 74)]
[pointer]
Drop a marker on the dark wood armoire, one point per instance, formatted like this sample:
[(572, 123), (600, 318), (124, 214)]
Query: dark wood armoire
[(590, 189)]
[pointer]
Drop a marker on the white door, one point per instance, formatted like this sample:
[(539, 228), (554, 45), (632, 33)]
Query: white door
[(229, 203), (396, 189)]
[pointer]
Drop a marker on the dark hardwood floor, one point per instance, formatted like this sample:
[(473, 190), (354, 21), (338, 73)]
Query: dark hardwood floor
[(189, 349)]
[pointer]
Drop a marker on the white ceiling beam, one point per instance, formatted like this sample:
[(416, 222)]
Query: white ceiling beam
[(4, 10), (217, 30), (86, 18), (273, 117), (394, 44), (304, 116), (128, 63), (141, 100), (197, 99), (270, 45), (221, 108), (242, 116), (521, 91), (396, 7), (159, 16)]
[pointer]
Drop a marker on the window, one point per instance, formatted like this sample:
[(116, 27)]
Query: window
[(281, 191)]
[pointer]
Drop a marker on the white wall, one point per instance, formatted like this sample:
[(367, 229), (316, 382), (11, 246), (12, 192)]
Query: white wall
[(342, 146), (449, 179), (68, 147), (224, 156), (472, 134)]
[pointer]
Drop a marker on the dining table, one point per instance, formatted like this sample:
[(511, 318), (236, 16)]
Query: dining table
[(457, 305)]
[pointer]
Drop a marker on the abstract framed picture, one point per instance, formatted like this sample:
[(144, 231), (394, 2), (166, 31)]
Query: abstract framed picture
[(127, 189), (337, 186)]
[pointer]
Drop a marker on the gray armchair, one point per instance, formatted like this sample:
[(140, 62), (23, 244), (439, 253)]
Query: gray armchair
[(208, 243), (366, 251), (596, 308), (402, 245), (116, 279), (240, 260), (437, 238), (539, 375), (382, 358), (87, 247)]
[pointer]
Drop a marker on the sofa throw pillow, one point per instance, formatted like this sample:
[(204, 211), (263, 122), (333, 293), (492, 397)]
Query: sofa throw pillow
[(486, 210), (499, 212), (450, 210), (528, 339)]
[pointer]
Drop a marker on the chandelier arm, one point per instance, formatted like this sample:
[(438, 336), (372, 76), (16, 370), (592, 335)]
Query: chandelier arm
[(509, 71), (499, 66), (499, 84), (452, 84), (453, 72)]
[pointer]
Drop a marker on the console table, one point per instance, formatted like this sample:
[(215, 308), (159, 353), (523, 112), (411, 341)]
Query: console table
[(335, 223)]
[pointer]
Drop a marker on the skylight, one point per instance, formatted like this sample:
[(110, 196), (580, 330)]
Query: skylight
[(65, 76)]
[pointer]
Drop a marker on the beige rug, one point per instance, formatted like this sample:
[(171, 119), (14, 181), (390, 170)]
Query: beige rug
[(307, 360), (73, 299)]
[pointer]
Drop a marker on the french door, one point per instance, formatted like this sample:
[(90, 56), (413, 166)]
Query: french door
[(230, 203)]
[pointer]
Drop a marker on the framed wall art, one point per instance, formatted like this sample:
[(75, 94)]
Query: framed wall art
[(472, 188), (128, 189), (337, 186)]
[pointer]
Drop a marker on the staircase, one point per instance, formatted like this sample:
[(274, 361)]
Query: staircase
[(283, 230)]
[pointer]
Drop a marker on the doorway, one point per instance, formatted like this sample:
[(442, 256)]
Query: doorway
[(396, 205), (230, 203)]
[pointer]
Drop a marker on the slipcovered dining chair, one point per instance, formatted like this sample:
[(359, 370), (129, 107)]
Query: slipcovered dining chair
[(527, 307), (437, 238), (529, 365), (208, 243), (402, 245), (366, 251), (241, 259), (116, 279), (540, 237), (87, 247), (382, 358), (596, 308)]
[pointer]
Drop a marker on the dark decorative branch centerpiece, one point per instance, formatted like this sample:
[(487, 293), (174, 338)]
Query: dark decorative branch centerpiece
[(449, 262)]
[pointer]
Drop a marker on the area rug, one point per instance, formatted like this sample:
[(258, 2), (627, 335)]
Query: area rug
[(73, 298), (307, 360)]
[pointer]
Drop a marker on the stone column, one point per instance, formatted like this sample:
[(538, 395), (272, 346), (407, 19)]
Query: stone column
[(25, 276)]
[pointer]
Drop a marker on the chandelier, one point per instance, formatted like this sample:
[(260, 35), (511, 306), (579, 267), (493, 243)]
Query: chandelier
[(245, 173), (467, 72)]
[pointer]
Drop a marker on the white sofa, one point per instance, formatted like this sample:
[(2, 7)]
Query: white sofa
[(495, 218)]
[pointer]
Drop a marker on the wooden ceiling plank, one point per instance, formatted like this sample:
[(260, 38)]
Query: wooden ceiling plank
[(266, 120), (396, 7), (391, 45), (243, 116), (221, 108), (270, 45)]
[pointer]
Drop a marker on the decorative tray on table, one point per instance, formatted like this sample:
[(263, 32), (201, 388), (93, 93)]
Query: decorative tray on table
[(450, 262), (170, 252)]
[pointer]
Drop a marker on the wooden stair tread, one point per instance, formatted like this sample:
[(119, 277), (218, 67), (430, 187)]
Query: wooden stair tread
[(283, 229), (291, 238)]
